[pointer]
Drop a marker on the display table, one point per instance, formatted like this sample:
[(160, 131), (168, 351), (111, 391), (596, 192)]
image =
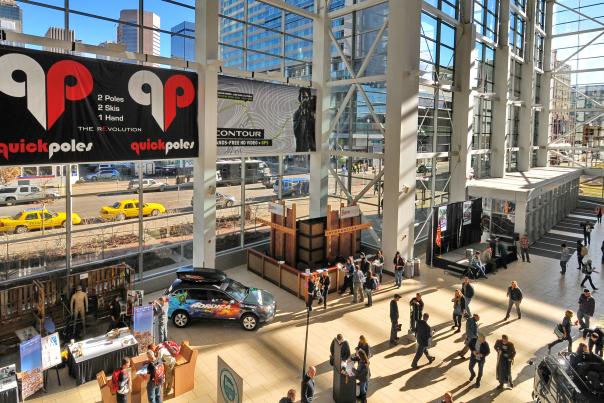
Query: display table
[(9, 390), (99, 354)]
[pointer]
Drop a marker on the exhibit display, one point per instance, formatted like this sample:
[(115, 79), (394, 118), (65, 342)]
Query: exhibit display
[(9, 391), (30, 354)]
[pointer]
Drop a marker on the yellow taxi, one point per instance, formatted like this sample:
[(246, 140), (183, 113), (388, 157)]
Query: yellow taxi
[(129, 208), (35, 218)]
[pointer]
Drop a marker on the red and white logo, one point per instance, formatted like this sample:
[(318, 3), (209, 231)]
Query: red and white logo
[(179, 92), (46, 106)]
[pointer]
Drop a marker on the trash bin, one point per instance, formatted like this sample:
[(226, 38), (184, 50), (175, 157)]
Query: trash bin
[(416, 264), (408, 272), (469, 253)]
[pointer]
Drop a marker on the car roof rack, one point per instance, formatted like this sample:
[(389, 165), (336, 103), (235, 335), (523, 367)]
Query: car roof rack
[(200, 274)]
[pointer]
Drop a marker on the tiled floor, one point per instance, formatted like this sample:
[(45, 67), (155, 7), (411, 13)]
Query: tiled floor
[(270, 360)]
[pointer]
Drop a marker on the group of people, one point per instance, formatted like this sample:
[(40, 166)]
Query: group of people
[(364, 278), (158, 372)]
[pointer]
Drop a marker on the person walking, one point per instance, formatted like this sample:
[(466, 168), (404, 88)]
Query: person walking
[(505, 358), (311, 288), (121, 381), (587, 233), (564, 258), (417, 308), (155, 378), (459, 308), (324, 282), (471, 334), (308, 385), (358, 279), (524, 248), (602, 249), (362, 374), (563, 332), (423, 334), (599, 215), (290, 398), (394, 318), (588, 270), (349, 272), (514, 295), (399, 265), (378, 265), (467, 290), (369, 286), (161, 311), (479, 351), (344, 349), (587, 307), (580, 254), (596, 340)]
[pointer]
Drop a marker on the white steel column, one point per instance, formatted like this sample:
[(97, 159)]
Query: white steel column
[(204, 188), (463, 104), (400, 151), (525, 120), (500, 103), (546, 86), (319, 160)]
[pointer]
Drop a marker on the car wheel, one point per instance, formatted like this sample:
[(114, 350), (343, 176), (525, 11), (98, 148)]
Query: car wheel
[(120, 217), (249, 321), (63, 224), (162, 188), (21, 229), (10, 201), (94, 178), (155, 213), (228, 203), (180, 319)]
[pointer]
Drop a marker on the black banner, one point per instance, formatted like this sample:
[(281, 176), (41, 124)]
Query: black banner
[(59, 108)]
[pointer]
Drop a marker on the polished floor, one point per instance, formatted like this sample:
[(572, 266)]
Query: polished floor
[(270, 360)]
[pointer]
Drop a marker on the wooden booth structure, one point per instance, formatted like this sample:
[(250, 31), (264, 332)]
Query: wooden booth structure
[(30, 304), (299, 247)]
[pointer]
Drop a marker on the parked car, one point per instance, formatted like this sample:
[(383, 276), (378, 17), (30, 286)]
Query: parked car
[(200, 293), (222, 200), (103, 174), (148, 185), (129, 208), (292, 186), (35, 218), (24, 194)]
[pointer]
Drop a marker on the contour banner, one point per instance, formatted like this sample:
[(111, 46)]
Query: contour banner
[(57, 108), (257, 118)]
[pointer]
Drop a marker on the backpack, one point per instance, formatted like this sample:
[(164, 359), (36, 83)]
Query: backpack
[(159, 375), (115, 382)]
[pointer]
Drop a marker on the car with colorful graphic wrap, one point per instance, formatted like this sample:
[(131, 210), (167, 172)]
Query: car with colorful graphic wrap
[(209, 294)]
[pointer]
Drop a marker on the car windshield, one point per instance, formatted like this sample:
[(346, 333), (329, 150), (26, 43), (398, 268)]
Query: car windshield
[(16, 216), (235, 289), (255, 297), (116, 205)]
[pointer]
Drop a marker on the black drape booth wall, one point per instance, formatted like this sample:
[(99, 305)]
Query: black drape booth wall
[(456, 235)]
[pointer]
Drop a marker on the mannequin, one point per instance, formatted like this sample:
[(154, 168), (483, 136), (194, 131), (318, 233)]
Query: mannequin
[(79, 307)]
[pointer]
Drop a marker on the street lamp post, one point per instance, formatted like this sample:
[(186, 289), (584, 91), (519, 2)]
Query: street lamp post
[(308, 307)]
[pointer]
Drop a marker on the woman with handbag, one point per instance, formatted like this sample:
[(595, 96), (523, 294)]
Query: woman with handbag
[(562, 330)]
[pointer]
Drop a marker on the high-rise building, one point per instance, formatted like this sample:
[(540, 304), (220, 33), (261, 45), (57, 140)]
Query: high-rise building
[(61, 34), (127, 34), (11, 16), (183, 47)]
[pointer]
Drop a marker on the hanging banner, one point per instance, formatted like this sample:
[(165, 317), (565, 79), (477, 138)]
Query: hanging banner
[(257, 118), (442, 218), (51, 351), (349, 212), (467, 212), (30, 353), (57, 108), (143, 326)]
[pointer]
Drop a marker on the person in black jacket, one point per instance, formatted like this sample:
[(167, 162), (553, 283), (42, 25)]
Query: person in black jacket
[(311, 289), (423, 334), (362, 373), (588, 269), (515, 298), (308, 385), (459, 309), (480, 350), (364, 265), (579, 256), (587, 307), (399, 265), (344, 349), (565, 327), (394, 318), (596, 339), (325, 282), (348, 272), (417, 309), (290, 398), (467, 290)]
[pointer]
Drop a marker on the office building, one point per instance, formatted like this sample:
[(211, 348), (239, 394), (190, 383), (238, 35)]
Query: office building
[(60, 34), (128, 32), (182, 41)]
